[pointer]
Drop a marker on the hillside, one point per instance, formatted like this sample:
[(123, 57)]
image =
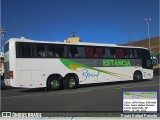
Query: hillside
[(154, 42)]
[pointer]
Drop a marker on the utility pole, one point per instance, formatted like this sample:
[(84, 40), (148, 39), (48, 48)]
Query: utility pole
[(3, 31), (147, 20)]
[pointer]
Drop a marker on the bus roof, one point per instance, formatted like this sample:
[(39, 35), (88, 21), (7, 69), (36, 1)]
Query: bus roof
[(77, 43)]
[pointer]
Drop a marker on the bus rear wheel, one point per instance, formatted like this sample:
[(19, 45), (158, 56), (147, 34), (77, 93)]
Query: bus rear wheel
[(70, 82), (54, 83), (137, 76)]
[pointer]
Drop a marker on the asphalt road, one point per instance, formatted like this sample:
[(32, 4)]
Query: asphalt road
[(98, 97)]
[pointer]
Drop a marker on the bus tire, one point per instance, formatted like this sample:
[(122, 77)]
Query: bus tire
[(54, 83), (137, 76), (70, 82)]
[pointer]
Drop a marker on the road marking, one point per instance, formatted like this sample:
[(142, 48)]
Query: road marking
[(138, 86), (75, 92)]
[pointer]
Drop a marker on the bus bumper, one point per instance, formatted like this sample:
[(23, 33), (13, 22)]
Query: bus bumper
[(7, 82)]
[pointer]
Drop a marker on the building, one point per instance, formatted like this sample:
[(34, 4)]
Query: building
[(73, 39), (1, 63)]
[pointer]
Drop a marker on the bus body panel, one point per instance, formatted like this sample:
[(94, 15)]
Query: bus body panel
[(37, 74), (34, 72), (147, 73)]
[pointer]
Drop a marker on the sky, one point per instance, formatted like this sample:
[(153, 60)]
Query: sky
[(102, 21)]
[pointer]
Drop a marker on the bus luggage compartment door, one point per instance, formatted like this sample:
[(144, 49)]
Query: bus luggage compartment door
[(24, 78)]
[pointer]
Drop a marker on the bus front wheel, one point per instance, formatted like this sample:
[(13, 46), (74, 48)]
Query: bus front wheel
[(70, 82), (137, 76), (54, 83)]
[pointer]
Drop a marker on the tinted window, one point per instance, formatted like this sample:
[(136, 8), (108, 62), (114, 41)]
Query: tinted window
[(146, 60), (40, 50), (56, 50), (120, 53), (90, 52), (147, 63), (98, 52), (94, 52), (81, 51), (107, 53), (127, 53), (73, 51), (130, 53), (23, 49), (145, 54), (137, 53), (113, 52)]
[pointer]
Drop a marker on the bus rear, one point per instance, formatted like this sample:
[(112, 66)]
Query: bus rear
[(9, 62)]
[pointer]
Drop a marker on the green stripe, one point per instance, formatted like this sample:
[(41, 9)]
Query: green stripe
[(67, 63)]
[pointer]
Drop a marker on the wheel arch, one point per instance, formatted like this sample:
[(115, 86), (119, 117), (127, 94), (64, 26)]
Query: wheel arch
[(138, 71), (51, 75), (69, 74)]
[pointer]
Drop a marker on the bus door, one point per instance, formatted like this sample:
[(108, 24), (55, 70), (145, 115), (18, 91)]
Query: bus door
[(146, 59)]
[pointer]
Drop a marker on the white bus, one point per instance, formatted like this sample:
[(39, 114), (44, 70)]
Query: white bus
[(57, 65)]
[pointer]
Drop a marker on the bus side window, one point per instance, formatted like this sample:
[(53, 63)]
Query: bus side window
[(81, 51), (89, 52), (56, 50), (107, 53), (135, 53), (50, 51), (139, 54), (120, 53), (56, 54), (23, 50), (113, 52), (40, 50), (59, 51), (50, 54), (73, 52), (98, 52), (127, 53)]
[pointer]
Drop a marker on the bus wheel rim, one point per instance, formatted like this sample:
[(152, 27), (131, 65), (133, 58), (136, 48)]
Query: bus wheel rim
[(55, 83), (71, 82), (138, 77)]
